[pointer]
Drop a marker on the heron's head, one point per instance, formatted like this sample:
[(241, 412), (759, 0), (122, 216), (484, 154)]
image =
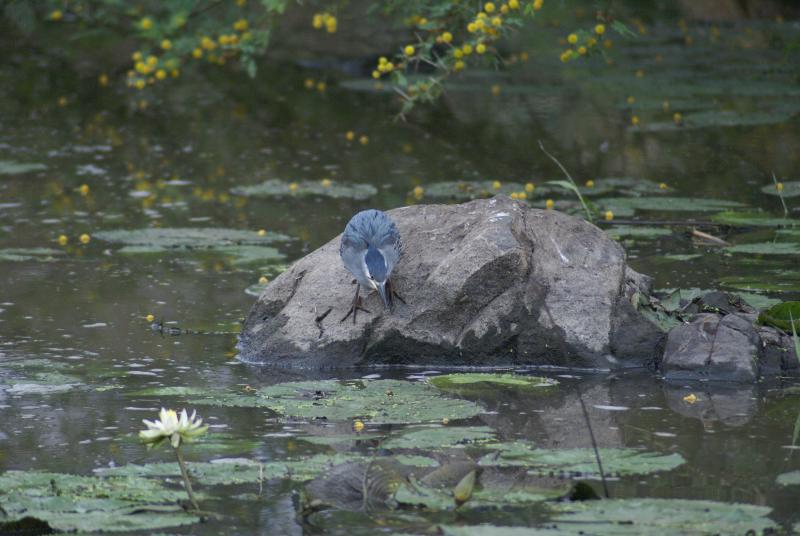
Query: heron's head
[(377, 272)]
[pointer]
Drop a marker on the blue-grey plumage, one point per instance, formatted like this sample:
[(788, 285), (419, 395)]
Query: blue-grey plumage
[(370, 249)]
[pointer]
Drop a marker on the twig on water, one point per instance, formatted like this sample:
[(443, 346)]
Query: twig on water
[(709, 238)]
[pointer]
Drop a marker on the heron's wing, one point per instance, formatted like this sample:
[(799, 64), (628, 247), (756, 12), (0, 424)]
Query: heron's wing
[(390, 245)]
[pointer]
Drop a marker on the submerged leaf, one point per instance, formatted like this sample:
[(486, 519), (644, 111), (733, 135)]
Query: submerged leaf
[(10, 167), (475, 381), (29, 254), (440, 437)]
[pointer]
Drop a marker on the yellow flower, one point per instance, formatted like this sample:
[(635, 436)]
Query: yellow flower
[(241, 25), (321, 86), (504, 9), (572, 39), (634, 120), (197, 53), (566, 56), (522, 195), (458, 54), (590, 183), (363, 140), (166, 44), (331, 24), (488, 7), (630, 100), (677, 117), (496, 89), (146, 23), (419, 191), (514, 195), (591, 42), (497, 22), (350, 135), (640, 73), (161, 74), (175, 73), (152, 61), (690, 398), (480, 48), (208, 43), (150, 318), (358, 426), (293, 187), (466, 49), (582, 50), (472, 27), (608, 215), (85, 238), (663, 186), (537, 4), (84, 189), (513, 4), (62, 240), (600, 29), (665, 105), (309, 83), (140, 83), (447, 37), (316, 21), (223, 40), (262, 232), (175, 429), (496, 185), (530, 187), (408, 50), (608, 43), (376, 74), (549, 204), (103, 80), (263, 280), (56, 14), (136, 56), (326, 183), (459, 65), (779, 186)]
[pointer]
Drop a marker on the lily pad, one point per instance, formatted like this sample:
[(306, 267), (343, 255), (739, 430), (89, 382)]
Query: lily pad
[(440, 437), (792, 478), (635, 231), (752, 219), (790, 189), (276, 187), (463, 383), (782, 316), (722, 118), (91, 503), (766, 248), (377, 401), (624, 205), (188, 238), (616, 461), (769, 282), (10, 167), (630, 186), (40, 383), (29, 254)]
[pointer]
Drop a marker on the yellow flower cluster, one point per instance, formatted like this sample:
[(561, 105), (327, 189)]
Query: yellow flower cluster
[(326, 20), (384, 66), (519, 195), (583, 43)]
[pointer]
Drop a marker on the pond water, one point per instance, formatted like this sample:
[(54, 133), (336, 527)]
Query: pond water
[(79, 362)]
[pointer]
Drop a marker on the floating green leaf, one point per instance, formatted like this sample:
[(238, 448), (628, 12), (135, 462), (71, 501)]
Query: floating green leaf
[(782, 315), (91, 503), (752, 219), (29, 254), (10, 167), (766, 248), (616, 461), (625, 231), (378, 401), (439, 437), (722, 118), (768, 282), (40, 383), (623, 205), (276, 187), (464, 383), (188, 238), (790, 189), (792, 478), (629, 186)]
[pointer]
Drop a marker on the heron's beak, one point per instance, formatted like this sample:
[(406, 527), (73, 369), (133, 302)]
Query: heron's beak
[(387, 300)]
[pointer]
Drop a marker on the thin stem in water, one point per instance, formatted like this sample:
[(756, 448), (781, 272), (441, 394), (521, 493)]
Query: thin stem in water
[(780, 194), (571, 180), (594, 443), (186, 481)]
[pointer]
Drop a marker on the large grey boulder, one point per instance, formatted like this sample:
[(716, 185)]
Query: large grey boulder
[(490, 282)]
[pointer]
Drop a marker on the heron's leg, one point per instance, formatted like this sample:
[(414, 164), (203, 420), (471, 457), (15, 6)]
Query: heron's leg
[(393, 293), (355, 306)]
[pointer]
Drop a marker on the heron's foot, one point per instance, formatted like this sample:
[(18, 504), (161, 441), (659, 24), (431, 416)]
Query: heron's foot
[(393, 294), (355, 306)]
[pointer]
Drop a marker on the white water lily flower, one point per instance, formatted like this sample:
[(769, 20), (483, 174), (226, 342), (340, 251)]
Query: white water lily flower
[(170, 426)]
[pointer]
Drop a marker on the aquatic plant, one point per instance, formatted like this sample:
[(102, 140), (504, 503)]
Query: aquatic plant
[(175, 429)]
